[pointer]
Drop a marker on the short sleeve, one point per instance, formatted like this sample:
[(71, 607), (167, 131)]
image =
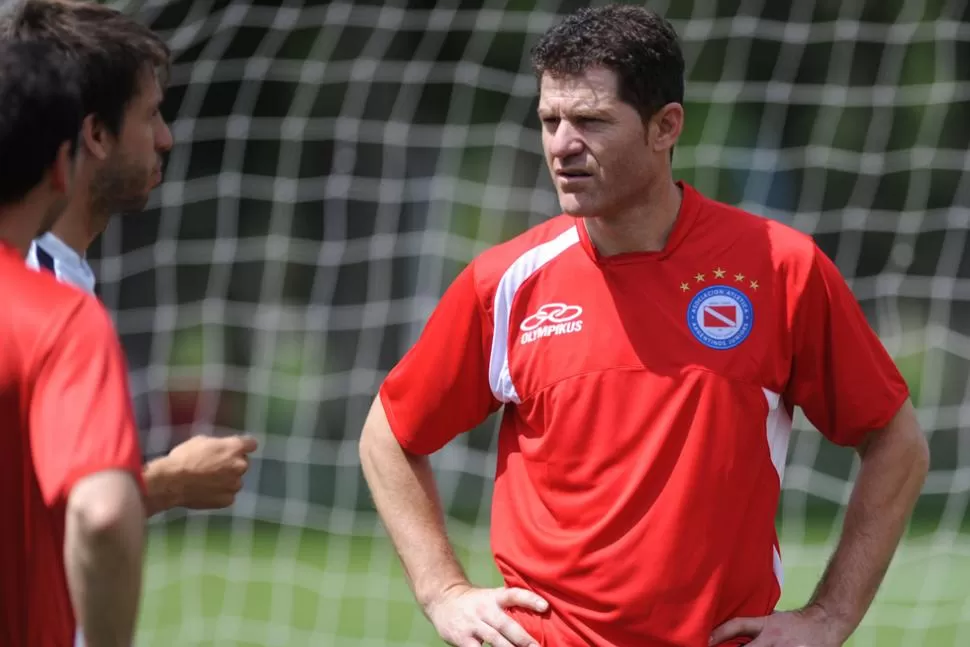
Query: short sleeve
[(440, 387), (81, 418), (842, 377)]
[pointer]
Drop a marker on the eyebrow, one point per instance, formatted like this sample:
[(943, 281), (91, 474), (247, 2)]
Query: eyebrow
[(587, 113)]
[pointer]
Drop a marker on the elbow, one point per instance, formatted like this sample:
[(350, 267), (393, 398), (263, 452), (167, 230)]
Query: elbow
[(105, 507)]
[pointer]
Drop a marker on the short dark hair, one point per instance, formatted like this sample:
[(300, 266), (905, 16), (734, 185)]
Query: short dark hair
[(639, 46), (112, 50), (40, 110)]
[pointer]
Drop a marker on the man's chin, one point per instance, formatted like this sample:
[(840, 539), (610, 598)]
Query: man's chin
[(133, 205), (571, 206)]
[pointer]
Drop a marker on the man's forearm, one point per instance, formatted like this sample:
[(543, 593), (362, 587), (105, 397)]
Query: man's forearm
[(161, 492), (404, 493), (894, 465)]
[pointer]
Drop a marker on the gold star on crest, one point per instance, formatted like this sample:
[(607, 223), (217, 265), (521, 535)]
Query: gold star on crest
[(720, 273)]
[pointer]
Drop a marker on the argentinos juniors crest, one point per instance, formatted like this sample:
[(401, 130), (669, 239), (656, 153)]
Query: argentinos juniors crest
[(720, 315)]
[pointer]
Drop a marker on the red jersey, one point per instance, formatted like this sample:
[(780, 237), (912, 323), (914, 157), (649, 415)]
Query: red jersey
[(648, 401), (65, 413)]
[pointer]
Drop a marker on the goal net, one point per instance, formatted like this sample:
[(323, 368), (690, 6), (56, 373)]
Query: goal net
[(337, 163)]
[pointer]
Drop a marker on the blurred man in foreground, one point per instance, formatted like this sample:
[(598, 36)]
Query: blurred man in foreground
[(123, 66), (70, 464)]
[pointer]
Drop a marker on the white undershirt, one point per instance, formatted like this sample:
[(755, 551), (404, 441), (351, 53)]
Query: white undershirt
[(48, 252)]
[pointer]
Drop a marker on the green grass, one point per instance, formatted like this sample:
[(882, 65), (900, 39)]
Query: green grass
[(269, 585)]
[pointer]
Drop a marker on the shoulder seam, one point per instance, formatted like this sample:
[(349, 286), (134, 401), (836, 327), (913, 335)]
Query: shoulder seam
[(531, 262)]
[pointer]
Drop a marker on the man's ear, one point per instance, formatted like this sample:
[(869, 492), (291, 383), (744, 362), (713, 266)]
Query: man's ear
[(666, 126), (96, 140), (62, 171)]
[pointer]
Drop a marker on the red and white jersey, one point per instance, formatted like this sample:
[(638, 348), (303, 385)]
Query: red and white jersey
[(648, 404), (65, 413)]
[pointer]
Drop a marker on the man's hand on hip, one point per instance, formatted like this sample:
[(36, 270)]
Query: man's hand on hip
[(809, 627), (466, 616)]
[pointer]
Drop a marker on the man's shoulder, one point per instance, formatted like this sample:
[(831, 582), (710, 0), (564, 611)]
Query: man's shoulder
[(756, 234), (26, 285), (535, 245), (38, 306)]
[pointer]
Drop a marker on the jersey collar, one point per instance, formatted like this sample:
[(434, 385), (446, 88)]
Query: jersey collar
[(682, 225), (78, 270)]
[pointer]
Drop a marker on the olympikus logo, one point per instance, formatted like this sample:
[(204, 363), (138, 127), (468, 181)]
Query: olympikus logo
[(550, 320)]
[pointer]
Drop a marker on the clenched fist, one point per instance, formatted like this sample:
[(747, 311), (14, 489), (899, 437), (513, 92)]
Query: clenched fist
[(201, 473)]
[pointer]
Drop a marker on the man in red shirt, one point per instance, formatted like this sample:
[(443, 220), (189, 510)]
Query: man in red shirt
[(648, 346), (70, 480)]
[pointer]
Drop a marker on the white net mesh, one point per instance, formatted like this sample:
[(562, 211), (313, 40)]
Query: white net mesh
[(336, 164)]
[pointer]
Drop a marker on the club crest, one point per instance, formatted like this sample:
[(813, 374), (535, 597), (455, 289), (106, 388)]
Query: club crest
[(720, 317)]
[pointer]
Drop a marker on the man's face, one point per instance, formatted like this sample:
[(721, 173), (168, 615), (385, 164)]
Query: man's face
[(134, 166), (596, 146)]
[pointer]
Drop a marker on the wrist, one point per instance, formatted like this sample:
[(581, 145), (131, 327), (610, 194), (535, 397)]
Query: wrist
[(841, 624), (161, 484), (432, 596)]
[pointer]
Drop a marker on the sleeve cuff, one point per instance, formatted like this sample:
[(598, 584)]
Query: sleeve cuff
[(855, 439), (84, 471), (407, 442)]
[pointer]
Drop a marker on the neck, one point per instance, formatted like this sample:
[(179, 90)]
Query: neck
[(80, 224), (19, 225), (643, 227)]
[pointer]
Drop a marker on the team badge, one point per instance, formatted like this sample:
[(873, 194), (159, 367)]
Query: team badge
[(720, 317)]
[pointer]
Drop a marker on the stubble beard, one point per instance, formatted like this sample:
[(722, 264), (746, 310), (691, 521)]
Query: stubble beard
[(120, 187)]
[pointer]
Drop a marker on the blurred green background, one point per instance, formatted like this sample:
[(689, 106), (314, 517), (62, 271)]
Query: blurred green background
[(338, 163), (267, 585)]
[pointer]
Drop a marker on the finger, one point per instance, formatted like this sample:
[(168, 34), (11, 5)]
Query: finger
[(222, 501), (239, 465), (736, 627), (221, 498), (514, 597), (509, 628), (494, 637), (247, 444), (469, 642)]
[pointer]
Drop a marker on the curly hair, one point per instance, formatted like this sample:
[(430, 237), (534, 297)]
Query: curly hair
[(639, 46)]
